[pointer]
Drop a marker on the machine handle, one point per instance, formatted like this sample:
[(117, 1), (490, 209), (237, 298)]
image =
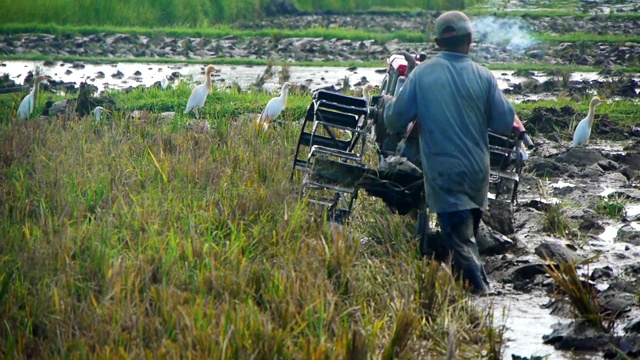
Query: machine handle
[(526, 140), (411, 62)]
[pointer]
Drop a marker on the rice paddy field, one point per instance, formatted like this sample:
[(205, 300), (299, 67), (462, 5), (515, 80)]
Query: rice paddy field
[(147, 236)]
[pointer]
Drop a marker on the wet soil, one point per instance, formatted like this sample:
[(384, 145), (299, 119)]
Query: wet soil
[(576, 183), (497, 41)]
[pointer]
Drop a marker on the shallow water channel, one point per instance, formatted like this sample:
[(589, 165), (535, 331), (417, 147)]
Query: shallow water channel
[(102, 75)]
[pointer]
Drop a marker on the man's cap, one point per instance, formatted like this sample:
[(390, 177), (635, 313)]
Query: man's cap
[(452, 23)]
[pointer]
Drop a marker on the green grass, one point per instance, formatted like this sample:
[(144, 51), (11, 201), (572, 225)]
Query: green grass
[(557, 222), (224, 61), (183, 12), (136, 238), (216, 32), (545, 13), (221, 31), (586, 37), (613, 207)]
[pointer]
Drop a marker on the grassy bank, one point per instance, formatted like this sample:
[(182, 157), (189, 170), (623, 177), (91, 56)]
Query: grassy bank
[(225, 61), (218, 32), (549, 13), (214, 32), (185, 12), (136, 238)]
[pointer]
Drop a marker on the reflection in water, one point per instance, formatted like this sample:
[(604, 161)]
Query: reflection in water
[(134, 74)]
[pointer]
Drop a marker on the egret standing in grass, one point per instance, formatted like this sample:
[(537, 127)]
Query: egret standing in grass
[(29, 102), (583, 130), (99, 112), (199, 94), (164, 82), (274, 108)]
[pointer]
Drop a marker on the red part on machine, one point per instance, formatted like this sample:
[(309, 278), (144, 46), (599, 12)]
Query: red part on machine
[(398, 63)]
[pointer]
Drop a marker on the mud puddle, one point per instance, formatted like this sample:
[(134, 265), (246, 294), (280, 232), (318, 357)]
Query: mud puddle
[(527, 321), (125, 75)]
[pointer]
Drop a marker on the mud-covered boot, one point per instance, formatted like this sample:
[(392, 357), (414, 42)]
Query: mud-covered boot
[(465, 257)]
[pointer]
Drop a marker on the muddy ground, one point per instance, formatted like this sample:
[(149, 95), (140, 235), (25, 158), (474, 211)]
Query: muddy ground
[(578, 184), (498, 41)]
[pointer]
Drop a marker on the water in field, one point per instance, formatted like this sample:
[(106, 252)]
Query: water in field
[(124, 75)]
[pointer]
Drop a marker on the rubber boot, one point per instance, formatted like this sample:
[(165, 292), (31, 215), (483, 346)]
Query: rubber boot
[(422, 233), (461, 243)]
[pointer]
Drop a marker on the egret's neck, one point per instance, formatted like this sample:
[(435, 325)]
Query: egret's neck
[(367, 97), (283, 94), (591, 114), (36, 85), (208, 81)]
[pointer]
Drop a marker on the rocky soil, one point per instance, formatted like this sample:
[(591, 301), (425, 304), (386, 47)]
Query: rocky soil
[(423, 21), (576, 182), (499, 41)]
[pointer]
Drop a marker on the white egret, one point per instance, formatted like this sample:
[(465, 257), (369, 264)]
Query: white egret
[(583, 130), (366, 92), (99, 112), (274, 108), (164, 82), (199, 94), (29, 102)]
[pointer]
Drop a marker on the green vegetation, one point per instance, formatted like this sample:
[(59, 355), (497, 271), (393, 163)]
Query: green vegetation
[(557, 222), (225, 61), (215, 32), (191, 13), (586, 37), (137, 238), (613, 207), (544, 13), (220, 31)]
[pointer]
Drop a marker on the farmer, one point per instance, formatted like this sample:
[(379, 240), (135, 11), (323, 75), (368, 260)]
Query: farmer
[(454, 101)]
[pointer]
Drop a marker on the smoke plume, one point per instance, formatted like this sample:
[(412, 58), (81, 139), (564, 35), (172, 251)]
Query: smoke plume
[(513, 33)]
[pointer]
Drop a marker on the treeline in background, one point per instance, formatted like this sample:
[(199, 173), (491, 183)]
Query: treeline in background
[(190, 13)]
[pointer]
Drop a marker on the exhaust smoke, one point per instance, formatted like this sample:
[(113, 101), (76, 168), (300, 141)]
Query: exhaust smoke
[(512, 33)]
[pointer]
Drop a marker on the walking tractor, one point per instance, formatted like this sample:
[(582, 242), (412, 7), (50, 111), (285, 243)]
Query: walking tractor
[(329, 156)]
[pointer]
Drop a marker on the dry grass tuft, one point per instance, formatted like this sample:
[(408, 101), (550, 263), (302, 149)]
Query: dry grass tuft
[(582, 296)]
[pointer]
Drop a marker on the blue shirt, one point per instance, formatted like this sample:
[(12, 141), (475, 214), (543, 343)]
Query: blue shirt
[(455, 101)]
